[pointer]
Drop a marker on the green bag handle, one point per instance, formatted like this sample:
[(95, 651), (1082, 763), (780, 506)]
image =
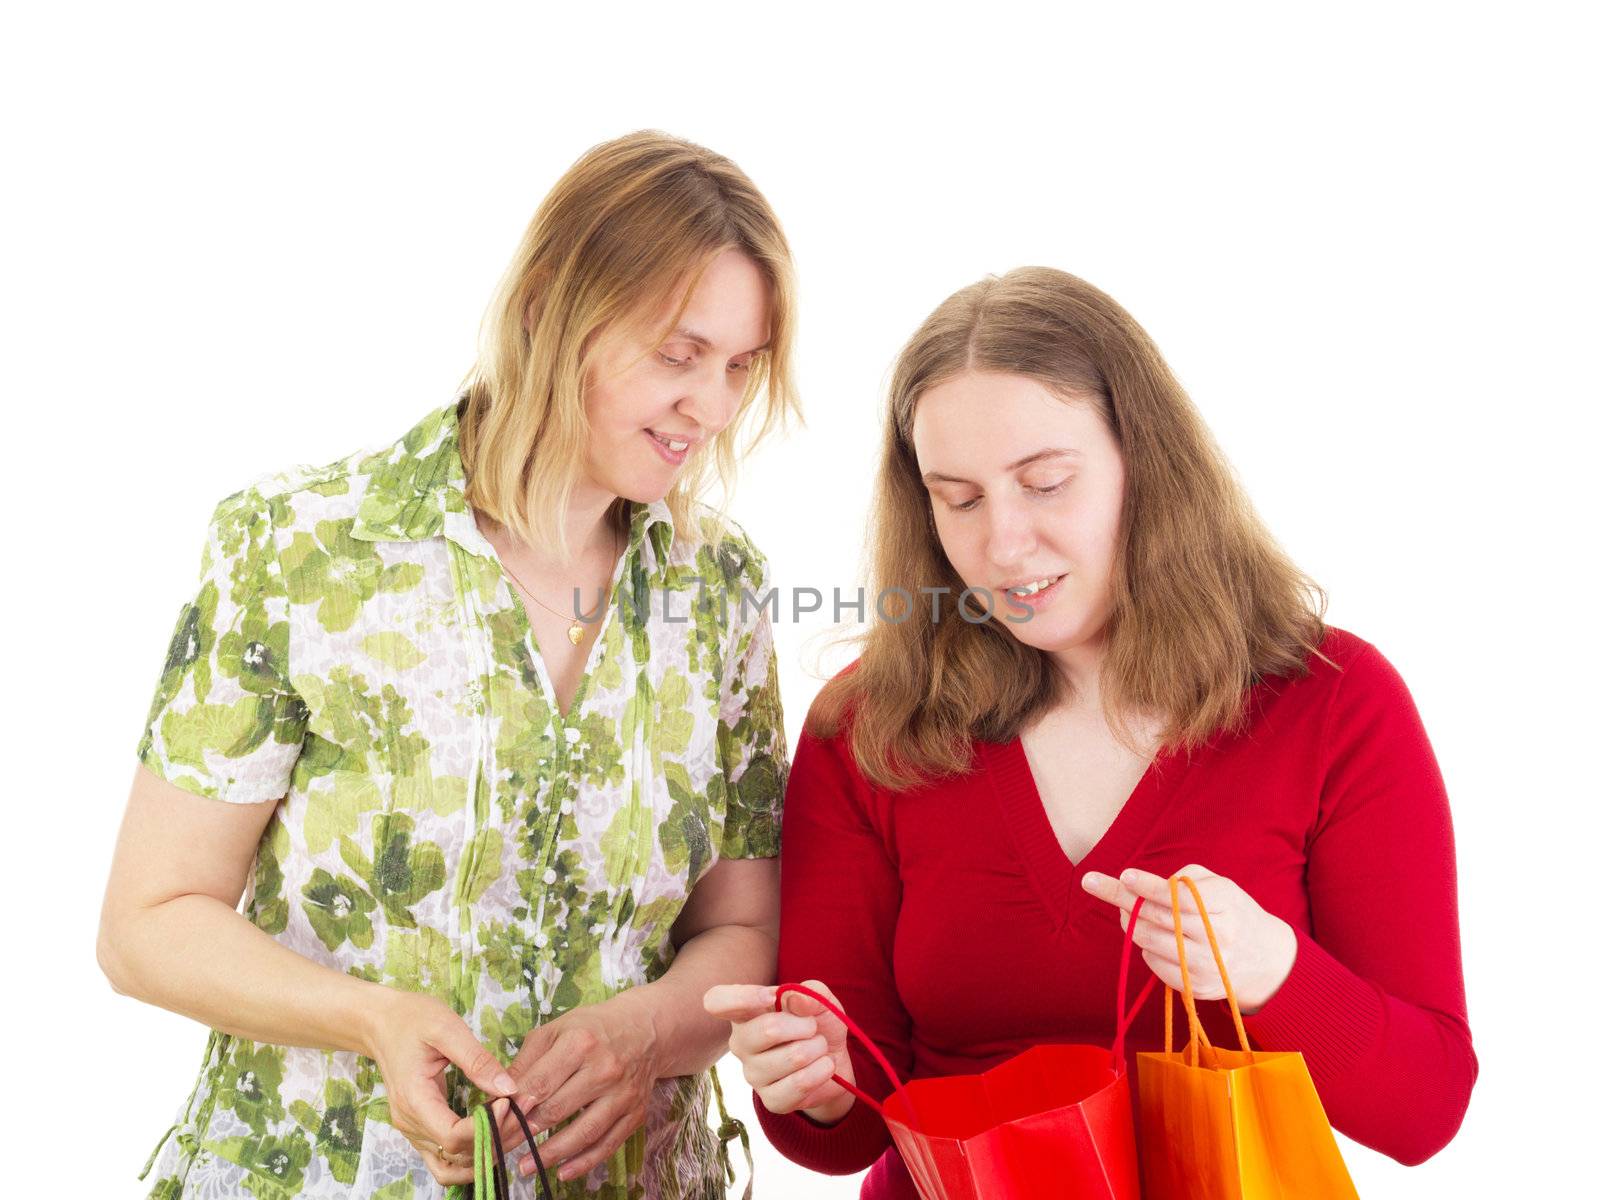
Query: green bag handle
[(489, 1178)]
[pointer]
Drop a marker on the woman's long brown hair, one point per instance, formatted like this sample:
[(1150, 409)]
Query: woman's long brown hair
[(1204, 602)]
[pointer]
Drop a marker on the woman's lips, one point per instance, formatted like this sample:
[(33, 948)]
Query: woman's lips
[(676, 457), (1038, 600)]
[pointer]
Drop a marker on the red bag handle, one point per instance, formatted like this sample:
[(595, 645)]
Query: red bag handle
[(1118, 1057), (861, 1035)]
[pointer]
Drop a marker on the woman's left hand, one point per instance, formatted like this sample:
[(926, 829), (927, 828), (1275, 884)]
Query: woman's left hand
[(600, 1059), (1257, 948)]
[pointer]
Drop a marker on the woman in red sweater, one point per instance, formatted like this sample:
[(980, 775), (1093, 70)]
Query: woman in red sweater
[(1095, 669)]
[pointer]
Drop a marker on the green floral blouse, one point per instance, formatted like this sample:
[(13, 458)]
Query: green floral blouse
[(355, 649)]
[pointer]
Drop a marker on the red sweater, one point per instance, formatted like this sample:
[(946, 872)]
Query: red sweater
[(955, 931)]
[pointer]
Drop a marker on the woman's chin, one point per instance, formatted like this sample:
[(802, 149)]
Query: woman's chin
[(1050, 634)]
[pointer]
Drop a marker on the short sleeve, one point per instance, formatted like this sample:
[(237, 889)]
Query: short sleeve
[(224, 722), (750, 737)]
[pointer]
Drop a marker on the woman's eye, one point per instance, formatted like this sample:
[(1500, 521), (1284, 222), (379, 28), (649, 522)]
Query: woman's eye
[(966, 505), (670, 361), (740, 366), (1048, 489)]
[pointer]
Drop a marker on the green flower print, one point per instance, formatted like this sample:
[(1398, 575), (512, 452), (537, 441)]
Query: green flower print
[(256, 653), (338, 574), (336, 1128), (339, 910), (276, 1165), (249, 1084), (399, 873)]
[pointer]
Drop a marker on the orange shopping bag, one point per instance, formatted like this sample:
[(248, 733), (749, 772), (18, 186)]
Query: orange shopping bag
[(1242, 1124), (1054, 1121)]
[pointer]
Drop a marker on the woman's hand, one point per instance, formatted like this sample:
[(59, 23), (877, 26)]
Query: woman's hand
[(1257, 948), (789, 1057), (413, 1038), (600, 1059)]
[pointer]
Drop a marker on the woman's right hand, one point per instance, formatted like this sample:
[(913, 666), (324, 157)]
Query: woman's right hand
[(413, 1037), (789, 1057)]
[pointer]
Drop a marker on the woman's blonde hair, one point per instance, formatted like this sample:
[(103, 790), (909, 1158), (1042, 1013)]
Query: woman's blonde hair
[(629, 224), (1204, 603)]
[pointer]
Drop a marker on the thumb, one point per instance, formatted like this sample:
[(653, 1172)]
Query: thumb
[(455, 1041)]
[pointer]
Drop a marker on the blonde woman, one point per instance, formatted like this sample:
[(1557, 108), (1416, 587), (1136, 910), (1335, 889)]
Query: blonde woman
[(467, 723), (1107, 673)]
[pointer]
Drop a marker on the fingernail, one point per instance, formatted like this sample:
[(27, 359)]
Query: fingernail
[(504, 1084), (770, 995), (1129, 875)]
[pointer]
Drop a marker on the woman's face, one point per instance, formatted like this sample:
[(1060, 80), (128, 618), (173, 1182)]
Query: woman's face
[(654, 402), (1026, 491)]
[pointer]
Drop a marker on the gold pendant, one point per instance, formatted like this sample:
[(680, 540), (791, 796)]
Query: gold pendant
[(575, 632)]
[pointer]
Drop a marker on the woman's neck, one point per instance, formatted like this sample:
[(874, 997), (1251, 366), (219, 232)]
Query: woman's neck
[(1081, 665)]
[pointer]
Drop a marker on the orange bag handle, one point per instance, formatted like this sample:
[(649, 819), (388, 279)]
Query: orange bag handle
[(1197, 1032)]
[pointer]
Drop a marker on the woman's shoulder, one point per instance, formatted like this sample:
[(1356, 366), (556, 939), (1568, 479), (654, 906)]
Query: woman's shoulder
[(719, 550), (390, 474), (1343, 668)]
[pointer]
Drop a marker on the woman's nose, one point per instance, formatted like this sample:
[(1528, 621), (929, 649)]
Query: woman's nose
[(1011, 537), (712, 399)]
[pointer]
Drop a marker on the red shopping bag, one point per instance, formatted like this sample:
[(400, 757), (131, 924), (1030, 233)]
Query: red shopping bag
[(1054, 1121)]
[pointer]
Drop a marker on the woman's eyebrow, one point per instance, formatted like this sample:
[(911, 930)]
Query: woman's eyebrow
[(1036, 456), (705, 343)]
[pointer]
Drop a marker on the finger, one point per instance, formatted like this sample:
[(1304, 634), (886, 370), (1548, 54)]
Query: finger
[(1168, 972), (583, 1132), (1151, 916), (739, 1001), (762, 1070), (510, 1127), (445, 1169), (459, 1138), (603, 1148), (1154, 888), (1165, 946), (439, 1125), (586, 1086), (770, 1029), (550, 1073), (477, 1062), (802, 1005), (1163, 943), (536, 1045), (799, 1089)]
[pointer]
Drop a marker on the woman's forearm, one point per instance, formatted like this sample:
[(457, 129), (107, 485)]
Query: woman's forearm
[(196, 956), (688, 1040)]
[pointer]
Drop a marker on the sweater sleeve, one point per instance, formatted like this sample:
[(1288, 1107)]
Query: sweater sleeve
[(1375, 1000), (841, 898)]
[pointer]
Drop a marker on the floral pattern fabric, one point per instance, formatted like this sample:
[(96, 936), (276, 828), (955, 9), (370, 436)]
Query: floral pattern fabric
[(355, 649)]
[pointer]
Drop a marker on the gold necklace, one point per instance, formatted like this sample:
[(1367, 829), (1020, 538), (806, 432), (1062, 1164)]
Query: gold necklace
[(575, 630)]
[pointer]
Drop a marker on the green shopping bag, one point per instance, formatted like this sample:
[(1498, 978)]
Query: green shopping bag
[(490, 1180)]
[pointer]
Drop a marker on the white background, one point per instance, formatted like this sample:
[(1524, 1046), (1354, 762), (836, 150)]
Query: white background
[(242, 237)]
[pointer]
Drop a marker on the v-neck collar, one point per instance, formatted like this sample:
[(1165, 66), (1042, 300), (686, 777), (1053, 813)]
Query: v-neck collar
[(1054, 876)]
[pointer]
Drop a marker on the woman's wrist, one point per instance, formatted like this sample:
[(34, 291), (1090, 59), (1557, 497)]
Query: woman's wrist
[(831, 1113), (1280, 963), (374, 1008)]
